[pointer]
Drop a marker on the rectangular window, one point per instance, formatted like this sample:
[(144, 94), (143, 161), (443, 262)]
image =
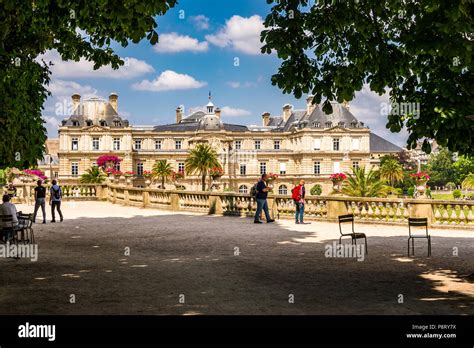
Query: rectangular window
[(263, 168), (140, 168), (138, 144), (178, 144), (317, 144), (243, 169), (335, 144), (117, 166), (257, 144), (355, 164), (336, 167), (74, 169), (95, 143), (283, 168), (317, 167), (355, 144), (181, 167), (116, 144), (56, 174), (74, 144), (276, 145), (238, 144), (157, 144)]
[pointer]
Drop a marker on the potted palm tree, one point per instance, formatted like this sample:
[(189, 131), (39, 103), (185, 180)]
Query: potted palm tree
[(93, 175), (161, 170), (200, 160)]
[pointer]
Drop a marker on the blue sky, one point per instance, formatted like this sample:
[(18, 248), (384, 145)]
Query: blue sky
[(205, 45)]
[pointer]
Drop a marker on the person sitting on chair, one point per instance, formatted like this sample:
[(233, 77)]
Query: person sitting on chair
[(8, 208)]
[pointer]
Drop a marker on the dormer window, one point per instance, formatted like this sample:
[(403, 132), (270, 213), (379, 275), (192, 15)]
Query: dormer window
[(342, 124), (89, 123), (75, 123), (117, 123), (316, 124), (361, 124), (103, 123), (328, 124), (354, 124)]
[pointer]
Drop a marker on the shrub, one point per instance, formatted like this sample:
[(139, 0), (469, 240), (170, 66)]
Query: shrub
[(316, 190), (410, 191), (451, 186), (457, 194)]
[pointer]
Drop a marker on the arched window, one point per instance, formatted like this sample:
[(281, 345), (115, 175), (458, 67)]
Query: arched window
[(89, 123), (283, 190), (103, 123), (243, 189)]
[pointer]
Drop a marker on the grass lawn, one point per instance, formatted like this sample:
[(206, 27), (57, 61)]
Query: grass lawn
[(448, 196)]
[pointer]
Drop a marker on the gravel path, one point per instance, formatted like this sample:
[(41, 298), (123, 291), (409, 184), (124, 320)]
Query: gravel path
[(228, 265)]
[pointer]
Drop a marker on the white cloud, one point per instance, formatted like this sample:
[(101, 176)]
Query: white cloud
[(367, 106), (84, 69), (173, 42), (62, 89), (240, 33), (169, 81), (200, 22), (237, 84), (228, 111), (51, 124)]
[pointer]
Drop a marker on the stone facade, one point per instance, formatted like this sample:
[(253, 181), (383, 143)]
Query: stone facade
[(296, 144)]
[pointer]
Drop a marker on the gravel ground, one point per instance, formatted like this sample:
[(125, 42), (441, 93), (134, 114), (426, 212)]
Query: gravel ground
[(280, 268)]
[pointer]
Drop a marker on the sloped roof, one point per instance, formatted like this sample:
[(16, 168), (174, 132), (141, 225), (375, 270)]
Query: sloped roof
[(379, 144)]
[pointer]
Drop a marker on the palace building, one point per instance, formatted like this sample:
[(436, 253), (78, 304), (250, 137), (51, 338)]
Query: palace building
[(297, 144)]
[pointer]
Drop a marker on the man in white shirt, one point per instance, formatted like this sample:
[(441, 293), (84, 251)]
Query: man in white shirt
[(8, 208)]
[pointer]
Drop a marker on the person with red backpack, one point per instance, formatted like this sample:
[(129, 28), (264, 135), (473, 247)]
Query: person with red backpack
[(298, 193)]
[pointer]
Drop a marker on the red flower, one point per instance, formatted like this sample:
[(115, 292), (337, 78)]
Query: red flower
[(102, 160), (421, 176), (338, 177)]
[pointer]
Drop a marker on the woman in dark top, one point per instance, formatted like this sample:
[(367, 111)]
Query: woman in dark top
[(40, 200)]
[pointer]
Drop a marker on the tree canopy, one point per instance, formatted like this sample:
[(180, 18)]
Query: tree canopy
[(76, 29), (419, 51)]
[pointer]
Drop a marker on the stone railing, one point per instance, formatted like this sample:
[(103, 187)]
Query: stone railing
[(453, 213), (26, 193)]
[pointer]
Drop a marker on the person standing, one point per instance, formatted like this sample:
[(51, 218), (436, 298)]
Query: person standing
[(55, 200), (40, 199), (298, 194), (261, 197)]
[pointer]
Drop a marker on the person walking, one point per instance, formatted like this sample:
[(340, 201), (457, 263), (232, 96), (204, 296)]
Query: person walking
[(298, 193), (40, 199), (261, 197), (55, 200)]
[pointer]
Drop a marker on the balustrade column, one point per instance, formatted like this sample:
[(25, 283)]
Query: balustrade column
[(215, 205), (174, 201), (422, 209), (336, 208), (146, 198)]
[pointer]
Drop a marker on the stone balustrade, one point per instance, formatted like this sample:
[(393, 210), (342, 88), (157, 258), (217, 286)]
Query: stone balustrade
[(455, 213)]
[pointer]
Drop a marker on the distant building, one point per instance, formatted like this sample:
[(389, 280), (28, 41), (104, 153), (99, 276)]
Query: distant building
[(296, 144), (49, 164)]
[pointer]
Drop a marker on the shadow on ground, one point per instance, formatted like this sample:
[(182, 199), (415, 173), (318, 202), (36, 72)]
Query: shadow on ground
[(228, 265)]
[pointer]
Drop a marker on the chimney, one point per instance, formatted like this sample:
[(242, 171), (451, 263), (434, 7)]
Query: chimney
[(217, 112), (286, 112), (345, 103), (265, 119), (309, 105), (113, 97), (179, 114), (76, 99)]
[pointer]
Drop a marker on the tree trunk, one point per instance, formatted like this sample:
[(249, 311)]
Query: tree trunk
[(203, 182), (163, 182)]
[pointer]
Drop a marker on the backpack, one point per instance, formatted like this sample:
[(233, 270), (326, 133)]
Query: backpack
[(57, 193), (253, 191), (296, 193)]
